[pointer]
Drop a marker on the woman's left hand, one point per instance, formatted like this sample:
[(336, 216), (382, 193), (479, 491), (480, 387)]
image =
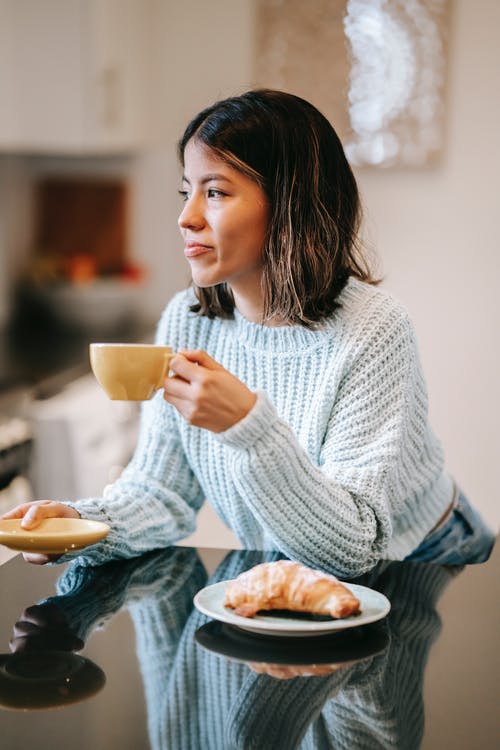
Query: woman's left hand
[(205, 393)]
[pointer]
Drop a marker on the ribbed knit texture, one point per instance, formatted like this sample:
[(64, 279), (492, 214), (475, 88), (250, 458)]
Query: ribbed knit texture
[(335, 466), (199, 700)]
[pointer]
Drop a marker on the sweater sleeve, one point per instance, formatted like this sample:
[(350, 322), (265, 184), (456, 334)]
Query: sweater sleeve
[(338, 514), (155, 501)]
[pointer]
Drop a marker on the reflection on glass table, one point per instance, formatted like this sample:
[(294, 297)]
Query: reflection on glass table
[(208, 686), (47, 679)]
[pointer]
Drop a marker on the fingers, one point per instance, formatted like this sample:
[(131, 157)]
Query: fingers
[(20, 510), (23, 629), (186, 364), (176, 388), (34, 513), (43, 627), (42, 509), (200, 357), (39, 559), (189, 367), (182, 368), (43, 615), (38, 512)]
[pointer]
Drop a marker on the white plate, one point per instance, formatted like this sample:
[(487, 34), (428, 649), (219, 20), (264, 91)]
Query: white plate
[(210, 601), (52, 536)]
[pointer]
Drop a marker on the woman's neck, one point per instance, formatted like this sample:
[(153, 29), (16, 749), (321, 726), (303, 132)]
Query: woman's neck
[(254, 314), (250, 304)]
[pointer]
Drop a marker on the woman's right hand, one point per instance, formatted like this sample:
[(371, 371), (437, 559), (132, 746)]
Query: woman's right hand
[(33, 514)]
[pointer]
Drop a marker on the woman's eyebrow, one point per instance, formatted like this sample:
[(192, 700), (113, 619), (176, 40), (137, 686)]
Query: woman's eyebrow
[(208, 178)]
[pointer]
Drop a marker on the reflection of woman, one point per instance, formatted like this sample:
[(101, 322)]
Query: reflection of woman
[(197, 699), (88, 596), (376, 703), (306, 426)]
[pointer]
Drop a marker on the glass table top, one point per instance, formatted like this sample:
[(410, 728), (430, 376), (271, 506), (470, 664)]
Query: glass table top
[(117, 656)]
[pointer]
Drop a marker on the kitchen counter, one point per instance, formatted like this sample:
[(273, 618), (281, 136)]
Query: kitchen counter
[(148, 662)]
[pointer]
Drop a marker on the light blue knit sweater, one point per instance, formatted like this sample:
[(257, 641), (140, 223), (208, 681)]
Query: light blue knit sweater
[(335, 466)]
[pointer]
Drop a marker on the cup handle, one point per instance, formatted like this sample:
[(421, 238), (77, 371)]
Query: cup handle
[(164, 372)]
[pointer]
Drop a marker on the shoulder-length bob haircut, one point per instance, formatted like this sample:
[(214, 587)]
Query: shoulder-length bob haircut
[(291, 150)]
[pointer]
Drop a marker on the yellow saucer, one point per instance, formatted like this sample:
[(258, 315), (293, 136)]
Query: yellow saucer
[(53, 536)]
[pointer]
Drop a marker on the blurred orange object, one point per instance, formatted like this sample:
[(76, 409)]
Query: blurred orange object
[(81, 269)]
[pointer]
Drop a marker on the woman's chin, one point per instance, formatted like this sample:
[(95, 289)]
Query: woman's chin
[(204, 281)]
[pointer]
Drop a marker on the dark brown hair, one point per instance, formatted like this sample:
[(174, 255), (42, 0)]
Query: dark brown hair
[(291, 150)]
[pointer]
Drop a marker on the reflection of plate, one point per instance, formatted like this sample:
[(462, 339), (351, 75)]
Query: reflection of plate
[(343, 648), (53, 535), (47, 679), (210, 601)]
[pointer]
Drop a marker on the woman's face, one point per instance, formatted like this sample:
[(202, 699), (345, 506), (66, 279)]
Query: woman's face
[(223, 223)]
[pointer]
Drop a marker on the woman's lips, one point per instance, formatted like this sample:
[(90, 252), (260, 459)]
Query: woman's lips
[(193, 250)]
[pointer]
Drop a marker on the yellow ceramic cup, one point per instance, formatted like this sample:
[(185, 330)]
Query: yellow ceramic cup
[(130, 372)]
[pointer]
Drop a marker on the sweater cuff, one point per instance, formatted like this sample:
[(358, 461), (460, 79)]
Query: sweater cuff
[(253, 426)]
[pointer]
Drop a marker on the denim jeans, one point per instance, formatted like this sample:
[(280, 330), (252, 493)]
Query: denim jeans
[(463, 538)]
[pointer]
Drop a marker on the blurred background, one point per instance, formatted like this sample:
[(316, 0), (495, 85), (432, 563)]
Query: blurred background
[(94, 95)]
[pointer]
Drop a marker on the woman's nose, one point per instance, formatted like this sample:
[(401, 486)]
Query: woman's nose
[(191, 217)]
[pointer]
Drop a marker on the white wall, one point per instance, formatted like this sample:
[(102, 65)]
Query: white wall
[(204, 54), (436, 232)]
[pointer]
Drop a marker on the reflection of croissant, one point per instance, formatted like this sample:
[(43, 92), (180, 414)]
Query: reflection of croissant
[(289, 585), (288, 672)]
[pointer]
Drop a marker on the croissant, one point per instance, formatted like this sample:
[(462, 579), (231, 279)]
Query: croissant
[(289, 585)]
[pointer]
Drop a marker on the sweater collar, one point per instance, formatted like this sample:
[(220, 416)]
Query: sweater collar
[(282, 339)]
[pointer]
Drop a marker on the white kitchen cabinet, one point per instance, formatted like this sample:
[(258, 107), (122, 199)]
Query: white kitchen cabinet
[(82, 440), (75, 75)]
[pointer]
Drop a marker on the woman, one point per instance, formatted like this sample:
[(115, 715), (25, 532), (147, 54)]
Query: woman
[(297, 404)]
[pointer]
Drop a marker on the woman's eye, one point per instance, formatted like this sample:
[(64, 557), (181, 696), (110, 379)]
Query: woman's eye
[(184, 194), (214, 193)]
